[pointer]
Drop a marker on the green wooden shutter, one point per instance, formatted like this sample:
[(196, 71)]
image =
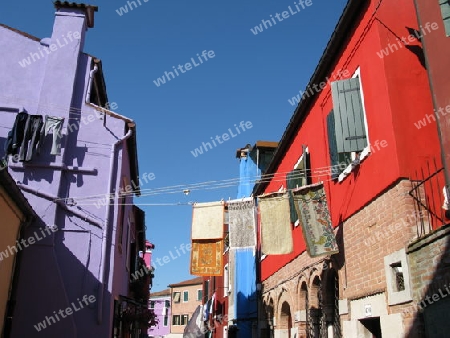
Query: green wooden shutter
[(294, 179), (348, 116), (445, 11), (334, 158)]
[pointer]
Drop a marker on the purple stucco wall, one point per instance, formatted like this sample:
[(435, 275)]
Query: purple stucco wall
[(160, 330), (64, 267)]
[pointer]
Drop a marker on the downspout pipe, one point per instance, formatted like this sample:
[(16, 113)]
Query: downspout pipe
[(90, 83), (103, 280), (94, 70)]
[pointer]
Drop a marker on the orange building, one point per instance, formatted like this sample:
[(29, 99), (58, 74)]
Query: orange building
[(15, 213), (186, 297)]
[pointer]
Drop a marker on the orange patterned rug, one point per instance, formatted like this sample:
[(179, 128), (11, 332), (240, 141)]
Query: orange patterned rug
[(206, 257)]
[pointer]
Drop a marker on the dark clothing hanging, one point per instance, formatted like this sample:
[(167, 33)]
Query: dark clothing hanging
[(16, 134), (31, 137), (53, 124)]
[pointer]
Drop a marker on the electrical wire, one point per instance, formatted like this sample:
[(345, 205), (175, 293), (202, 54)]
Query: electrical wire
[(19, 101), (208, 185), (93, 203)]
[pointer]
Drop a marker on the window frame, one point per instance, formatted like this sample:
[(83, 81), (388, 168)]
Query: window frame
[(166, 320), (128, 243), (184, 318), (185, 292), (302, 160), (199, 293), (174, 320), (152, 304), (122, 205), (174, 297), (402, 296), (364, 152), (445, 19), (226, 280)]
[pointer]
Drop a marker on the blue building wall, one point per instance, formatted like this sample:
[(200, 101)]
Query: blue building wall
[(245, 300), (248, 173)]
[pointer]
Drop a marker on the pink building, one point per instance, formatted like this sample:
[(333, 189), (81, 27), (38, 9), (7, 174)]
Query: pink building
[(160, 303)]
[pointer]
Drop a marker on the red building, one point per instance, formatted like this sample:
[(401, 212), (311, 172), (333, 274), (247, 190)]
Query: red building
[(215, 297), (357, 131), (436, 49)]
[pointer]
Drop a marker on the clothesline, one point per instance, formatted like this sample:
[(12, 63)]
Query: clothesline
[(93, 200), (206, 185)]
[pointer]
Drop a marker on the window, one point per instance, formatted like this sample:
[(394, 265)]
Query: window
[(226, 281), (166, 320), (176, 320), (167, 303), (185, 296), (300, 176), (206, 291), (199, 294), (152, 304), (184, 319), (445, 11), (122, 204), (347, 127), (226, 238), (129, 244), (176, 297), (397, 278)]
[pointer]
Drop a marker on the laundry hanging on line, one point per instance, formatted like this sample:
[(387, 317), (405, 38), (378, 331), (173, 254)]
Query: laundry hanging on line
[(208, 220), (242, 227), (312, 209), (276, 231), (28, 135)]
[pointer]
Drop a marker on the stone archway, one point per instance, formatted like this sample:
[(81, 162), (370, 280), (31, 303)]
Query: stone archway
[(303, 309), (285, 325), (330, 304), (270, 312), (315, 308)]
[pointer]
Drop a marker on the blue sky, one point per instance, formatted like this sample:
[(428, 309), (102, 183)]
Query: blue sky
[(250, 78)]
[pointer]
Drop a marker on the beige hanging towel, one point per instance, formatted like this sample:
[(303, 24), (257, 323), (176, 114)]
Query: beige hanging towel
[(276, 232), (208, 220), (241, 214), (312, 207)]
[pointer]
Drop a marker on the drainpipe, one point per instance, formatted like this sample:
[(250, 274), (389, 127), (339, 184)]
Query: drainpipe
[(91, 81), (106, 227)]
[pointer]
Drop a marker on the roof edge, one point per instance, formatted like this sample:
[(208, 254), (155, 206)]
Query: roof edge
[(24, 34), (345, 23)]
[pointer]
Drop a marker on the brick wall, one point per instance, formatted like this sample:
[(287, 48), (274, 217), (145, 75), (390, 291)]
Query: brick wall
[(384, 226), (429, 261)]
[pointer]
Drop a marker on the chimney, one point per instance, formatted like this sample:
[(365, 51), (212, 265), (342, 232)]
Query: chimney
[(63, 50), (87, 9)]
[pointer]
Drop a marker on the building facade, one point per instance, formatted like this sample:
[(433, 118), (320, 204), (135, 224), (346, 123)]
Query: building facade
[(434, 247), (356, 134), (186, 297), (244, 262), (216, 291), (76, 162), (16, 215), (160, 303)]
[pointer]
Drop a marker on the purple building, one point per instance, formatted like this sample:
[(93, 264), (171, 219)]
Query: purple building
[(160, 303), (76, 162)]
